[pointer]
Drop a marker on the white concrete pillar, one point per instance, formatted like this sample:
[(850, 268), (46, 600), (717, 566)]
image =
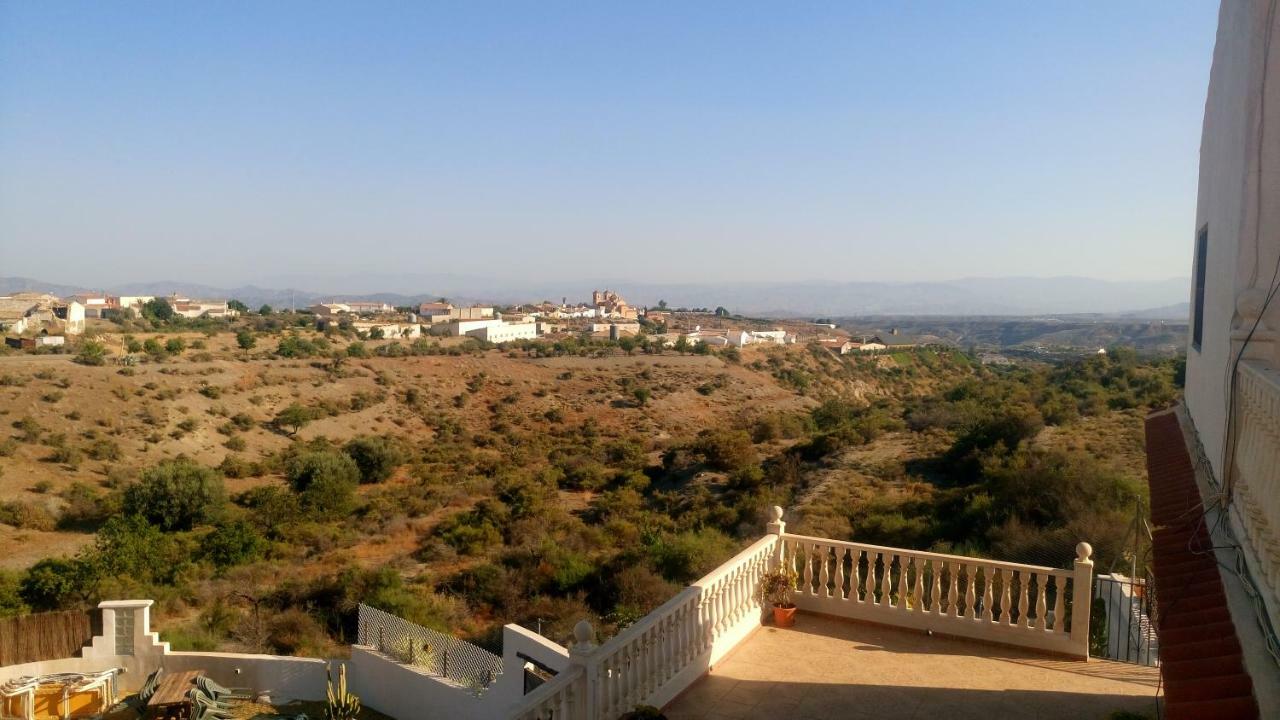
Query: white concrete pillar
[(1082, 599)]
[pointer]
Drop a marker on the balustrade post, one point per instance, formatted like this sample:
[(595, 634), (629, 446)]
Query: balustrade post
[(581, 654), (776, 527), (1082, 599)]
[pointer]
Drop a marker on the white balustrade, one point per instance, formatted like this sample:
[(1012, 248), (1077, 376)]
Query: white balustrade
[(991, 600), (652, 661), (1255, 480), (556, 699)]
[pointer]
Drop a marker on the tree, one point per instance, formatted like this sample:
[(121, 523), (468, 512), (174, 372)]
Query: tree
[(377, 457), (157, 309), (177, 495), (265, 310), (53, 584), (662, 304), (238, 306), (293, 418), (722, 312), (325, 481), (92, 352), (245, 339)]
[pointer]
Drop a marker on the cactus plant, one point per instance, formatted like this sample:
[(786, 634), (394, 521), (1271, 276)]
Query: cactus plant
[(342, 704)]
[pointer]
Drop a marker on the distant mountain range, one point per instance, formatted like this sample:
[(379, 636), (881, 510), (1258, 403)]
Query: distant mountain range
[(1008, 296)]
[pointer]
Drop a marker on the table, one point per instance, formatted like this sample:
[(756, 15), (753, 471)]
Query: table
[(170, 699)]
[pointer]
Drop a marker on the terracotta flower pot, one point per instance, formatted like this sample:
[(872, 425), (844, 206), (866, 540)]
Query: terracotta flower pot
[(784, 616)]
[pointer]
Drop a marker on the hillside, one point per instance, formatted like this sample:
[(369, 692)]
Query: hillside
[(463, 486)]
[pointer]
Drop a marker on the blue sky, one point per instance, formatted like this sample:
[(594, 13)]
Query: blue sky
[(229, 142)]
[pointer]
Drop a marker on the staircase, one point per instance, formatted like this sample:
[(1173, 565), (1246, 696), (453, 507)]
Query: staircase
[(1201, 660)]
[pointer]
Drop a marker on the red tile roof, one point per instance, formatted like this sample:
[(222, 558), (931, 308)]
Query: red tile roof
[(1204, 676)]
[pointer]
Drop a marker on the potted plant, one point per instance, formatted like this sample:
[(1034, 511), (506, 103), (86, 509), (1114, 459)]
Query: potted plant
[(775, 589)]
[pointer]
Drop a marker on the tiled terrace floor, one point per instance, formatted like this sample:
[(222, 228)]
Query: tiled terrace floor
[(830, 669)]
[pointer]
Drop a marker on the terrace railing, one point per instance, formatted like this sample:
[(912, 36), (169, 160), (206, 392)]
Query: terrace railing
[(654, 660), (1026, 605)]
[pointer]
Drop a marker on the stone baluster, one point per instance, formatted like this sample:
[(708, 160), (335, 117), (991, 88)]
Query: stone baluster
[(1015, 590), (1059, 603), (902, 582), (824, 573), (936, 592), (953, 581), (839, 574), (970, 586), (885, 560), (918, 584), (1006, 596), (988, 573), (1040, 602), (805, 551)]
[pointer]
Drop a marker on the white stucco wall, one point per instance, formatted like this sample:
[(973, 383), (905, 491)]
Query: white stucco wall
[(1228, 204), (405, 691)]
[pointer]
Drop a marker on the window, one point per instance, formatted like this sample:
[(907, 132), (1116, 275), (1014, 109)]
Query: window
[(1197, 317)]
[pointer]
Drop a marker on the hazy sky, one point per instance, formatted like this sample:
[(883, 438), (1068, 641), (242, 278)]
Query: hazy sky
[(226, 142)]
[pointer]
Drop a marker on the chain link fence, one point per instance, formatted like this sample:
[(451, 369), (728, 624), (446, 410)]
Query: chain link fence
[(441, 655)]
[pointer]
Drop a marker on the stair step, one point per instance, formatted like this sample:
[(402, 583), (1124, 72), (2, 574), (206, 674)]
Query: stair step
[(1172, 637), (1214, 647), (1210, 688), (1175, 671), (1170, 621), (1173, 605), (1243, 708)]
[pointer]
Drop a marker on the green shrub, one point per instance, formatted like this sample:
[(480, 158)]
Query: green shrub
[(376, 456), (177, 495), (325, 482), (233, 543)]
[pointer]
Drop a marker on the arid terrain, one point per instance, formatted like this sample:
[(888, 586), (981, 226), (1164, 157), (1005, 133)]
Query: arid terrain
[(618, 475)]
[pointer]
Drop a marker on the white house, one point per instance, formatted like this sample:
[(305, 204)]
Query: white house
[(388, 330), (466, 327), (188, 308), (777, 337), (1214, 463), (500, 332)]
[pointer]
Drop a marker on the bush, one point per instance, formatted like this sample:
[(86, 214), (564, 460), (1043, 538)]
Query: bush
[(325, 482), (54, 584), (26, 516), (85, 508), (376, 456), (687, 556), (295, 632), (177, 495), (233, 543), (92, 352), (104, 449)]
